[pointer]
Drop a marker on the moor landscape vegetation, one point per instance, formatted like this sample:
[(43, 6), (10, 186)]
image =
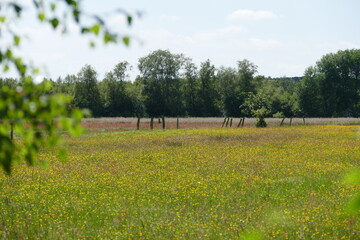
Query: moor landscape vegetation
[(180, 151)]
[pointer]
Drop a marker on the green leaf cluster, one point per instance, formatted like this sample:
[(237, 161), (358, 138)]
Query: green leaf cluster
[(37, 118)]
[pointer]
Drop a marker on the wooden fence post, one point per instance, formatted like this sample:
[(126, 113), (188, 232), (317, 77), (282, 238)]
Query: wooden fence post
[(163, 122), (227, 122), (223, 122), (239, 123)]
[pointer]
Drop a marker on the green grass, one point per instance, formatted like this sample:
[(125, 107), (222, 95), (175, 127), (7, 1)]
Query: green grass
[(283, 183)]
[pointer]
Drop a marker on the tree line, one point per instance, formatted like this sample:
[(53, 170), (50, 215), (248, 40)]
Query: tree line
[(172, 85)]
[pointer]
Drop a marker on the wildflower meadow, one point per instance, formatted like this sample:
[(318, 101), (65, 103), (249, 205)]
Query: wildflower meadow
[(274, 183)]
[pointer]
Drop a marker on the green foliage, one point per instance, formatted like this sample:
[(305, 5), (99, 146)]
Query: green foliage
[(36, 117), (86, 93), (210, 97), (114, 92), (160, 74), (246, 72), (257, 106), (353, 178), (231, 93), (191, 89), (331, 88)]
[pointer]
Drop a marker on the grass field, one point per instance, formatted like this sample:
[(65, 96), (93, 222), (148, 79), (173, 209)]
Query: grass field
[(282, 183)]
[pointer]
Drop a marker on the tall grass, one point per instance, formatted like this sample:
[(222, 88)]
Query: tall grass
[(284, 183)]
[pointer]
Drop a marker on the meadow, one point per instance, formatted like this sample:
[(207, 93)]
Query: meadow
[(273, 183)]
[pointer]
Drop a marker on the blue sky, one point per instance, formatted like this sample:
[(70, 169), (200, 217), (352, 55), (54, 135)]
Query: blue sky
[(282, 37)]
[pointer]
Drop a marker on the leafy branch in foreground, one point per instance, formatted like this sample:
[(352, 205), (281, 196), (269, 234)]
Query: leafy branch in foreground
[(36, 118), (35, 115)]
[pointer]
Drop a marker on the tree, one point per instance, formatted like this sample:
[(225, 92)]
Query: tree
[(65, 86), (209, 95), (310, 100), (235, 85), (246, 73), (257, 105), (191, 89), (232, 95), (340, 83), (160, 76), (116, 99), (86, 91), (331, 87)]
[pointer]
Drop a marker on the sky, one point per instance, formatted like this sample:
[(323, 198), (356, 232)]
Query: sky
[(281, 37)]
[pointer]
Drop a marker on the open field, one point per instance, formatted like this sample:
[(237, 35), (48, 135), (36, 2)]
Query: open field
[(120, 123), (284, 183)]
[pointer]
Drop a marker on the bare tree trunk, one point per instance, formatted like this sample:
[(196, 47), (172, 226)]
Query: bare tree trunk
[(290, 121), (177, 123), (231, 122), (304, 120), (243, 121), (282, 121), (163, 122), (151, 123), (159, 120), (138, 123), (223, 122)]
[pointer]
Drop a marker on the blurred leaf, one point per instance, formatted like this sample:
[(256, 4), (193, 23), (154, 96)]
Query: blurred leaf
[(109, 38), (62, 154), (9, 53), (76, 15), (92, 44), (252, 236), (41, 16), (353, 206), (54, 22), (126, 41), (85, 30), (95, 29), (17, 40), (2, 19), (72, 3), (36, 71), (17, 8), (129, 20), (353, 177), (77, 114), (53, 6), (6, 68)]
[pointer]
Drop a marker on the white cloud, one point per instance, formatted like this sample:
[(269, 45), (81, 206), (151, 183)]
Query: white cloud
[(265, 43), (251, 15)]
